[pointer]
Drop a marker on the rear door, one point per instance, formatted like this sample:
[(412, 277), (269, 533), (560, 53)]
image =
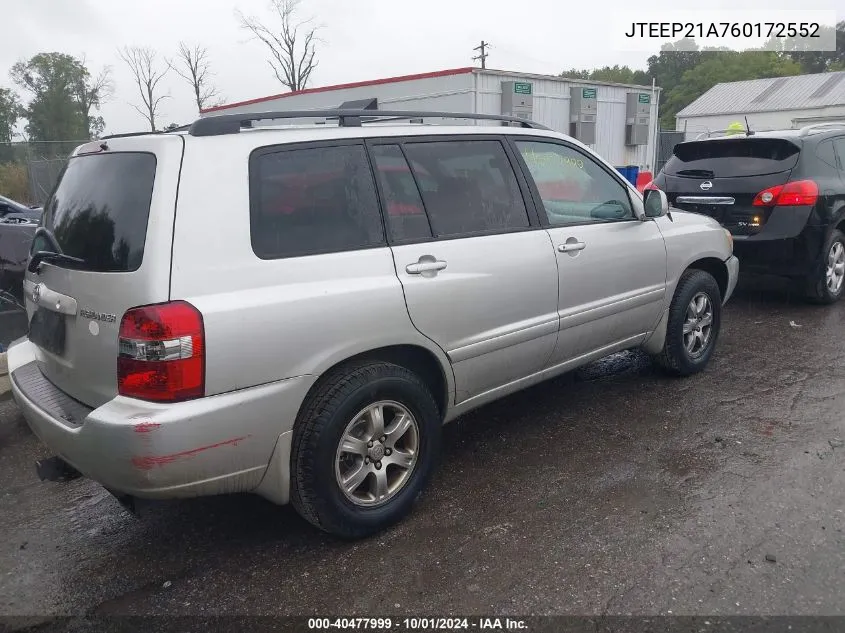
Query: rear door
[(479, 276), (721, 177), (113, 209)]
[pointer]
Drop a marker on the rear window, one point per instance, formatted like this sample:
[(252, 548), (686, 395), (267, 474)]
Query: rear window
[(314, 200), (720, 158), (467, 187), (100, 209)]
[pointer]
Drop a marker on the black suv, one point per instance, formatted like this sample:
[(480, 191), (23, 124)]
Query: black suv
[(781, 195)]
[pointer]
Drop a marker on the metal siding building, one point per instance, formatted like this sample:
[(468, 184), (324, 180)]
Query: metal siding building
[(769, 104), (480, 91)]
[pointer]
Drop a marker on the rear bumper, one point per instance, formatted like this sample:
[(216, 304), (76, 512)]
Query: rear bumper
[(732, 264), (213, 445), (796, 256)]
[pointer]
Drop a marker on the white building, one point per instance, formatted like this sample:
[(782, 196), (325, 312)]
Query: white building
[(611, 117), (770, 104)]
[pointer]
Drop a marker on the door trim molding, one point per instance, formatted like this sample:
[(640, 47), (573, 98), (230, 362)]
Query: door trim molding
[(611, 306), (496, 340)]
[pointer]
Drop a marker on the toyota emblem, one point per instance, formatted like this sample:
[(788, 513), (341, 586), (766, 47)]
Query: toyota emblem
[(36, 293), (706, 185)]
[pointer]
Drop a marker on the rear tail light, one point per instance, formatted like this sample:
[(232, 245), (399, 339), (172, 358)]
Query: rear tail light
[(162, 353), (796, 193)]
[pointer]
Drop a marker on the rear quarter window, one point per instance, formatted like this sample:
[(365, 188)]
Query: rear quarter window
[(725, 158), (100, 209), (305, 201)]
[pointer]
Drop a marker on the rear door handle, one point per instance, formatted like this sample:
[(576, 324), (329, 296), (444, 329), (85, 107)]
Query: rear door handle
[(571, 246), (425, 266)]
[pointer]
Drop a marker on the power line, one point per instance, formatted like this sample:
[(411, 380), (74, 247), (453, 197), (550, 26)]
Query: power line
[(482, 54)]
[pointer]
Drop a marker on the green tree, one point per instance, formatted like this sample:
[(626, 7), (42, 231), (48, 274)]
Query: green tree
[(720, 67), (574, 73), (63, 95), (614, 74), (90, 92), (813, 61), (10, 112), (674, 59)]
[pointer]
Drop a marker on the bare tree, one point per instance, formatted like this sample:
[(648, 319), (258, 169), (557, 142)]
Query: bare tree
[(92, 92), (143, 62), (193, 66), (291, 44)]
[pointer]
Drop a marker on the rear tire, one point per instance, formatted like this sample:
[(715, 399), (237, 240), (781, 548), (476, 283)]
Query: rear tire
[(695, 317), (829, 283), (337, 442)]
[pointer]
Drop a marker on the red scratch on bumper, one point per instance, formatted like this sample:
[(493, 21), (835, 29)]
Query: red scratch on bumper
[(146, 427), (150, 461)]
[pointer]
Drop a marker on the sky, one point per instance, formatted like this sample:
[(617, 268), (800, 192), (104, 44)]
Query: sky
[(359, 40)]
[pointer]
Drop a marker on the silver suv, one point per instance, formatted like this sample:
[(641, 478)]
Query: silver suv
[(295, 310)]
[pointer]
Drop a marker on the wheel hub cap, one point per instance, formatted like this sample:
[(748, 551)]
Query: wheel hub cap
[(376, 452)]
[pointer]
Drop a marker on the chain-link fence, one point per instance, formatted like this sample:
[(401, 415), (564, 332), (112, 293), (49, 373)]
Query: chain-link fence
[(666, 141), (29, 170)]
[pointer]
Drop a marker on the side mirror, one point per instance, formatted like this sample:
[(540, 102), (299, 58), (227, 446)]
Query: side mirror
[(656, 203)]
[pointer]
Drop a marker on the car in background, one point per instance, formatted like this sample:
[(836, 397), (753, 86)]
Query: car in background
[(12, 212), (781, 194), (17, 229)]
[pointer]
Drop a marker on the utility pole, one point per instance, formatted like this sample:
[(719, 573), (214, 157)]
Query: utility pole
[(482, 48)]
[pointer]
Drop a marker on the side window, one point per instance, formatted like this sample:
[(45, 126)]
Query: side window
[(309, 201), (574, 188), (406, 218), (467, 187), (825, 152), (839, 146)]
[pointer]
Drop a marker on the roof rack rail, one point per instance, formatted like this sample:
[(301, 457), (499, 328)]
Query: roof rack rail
[(126, 135), (181, 128), (721, 133), (232, 123), (820, 127)]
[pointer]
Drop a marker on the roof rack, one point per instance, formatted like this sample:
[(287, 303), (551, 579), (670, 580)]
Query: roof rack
[(233, 123), (181, 128), (722, 133), (817, 128)]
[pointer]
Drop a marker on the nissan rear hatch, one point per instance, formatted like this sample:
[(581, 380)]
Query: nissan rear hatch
[(721, 177)]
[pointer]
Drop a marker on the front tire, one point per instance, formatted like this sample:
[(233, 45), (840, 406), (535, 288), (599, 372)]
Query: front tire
[(695, 317), (364, 446), (828, 286)]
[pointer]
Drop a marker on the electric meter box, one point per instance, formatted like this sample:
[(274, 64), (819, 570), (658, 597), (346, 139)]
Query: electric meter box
[(518, 99), (637, 118), (583, 108)]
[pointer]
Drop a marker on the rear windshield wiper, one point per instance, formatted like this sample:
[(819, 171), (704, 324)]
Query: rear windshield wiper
[(50, 256), (55, 255), (696, 173)]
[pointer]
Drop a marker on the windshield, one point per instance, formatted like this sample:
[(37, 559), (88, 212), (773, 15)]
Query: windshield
[(721, 158), (99, 211)]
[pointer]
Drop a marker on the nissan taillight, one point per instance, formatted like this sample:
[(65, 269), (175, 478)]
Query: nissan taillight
[(162, 353), (793, 194)]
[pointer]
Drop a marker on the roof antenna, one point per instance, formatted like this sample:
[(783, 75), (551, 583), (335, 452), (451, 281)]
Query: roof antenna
[(748, 131)]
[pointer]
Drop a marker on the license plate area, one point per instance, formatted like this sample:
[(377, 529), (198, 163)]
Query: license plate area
[(48, 330), (717, 212)]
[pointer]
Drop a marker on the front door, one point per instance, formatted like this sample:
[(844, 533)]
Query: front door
[(611, 265), (480, 277)]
